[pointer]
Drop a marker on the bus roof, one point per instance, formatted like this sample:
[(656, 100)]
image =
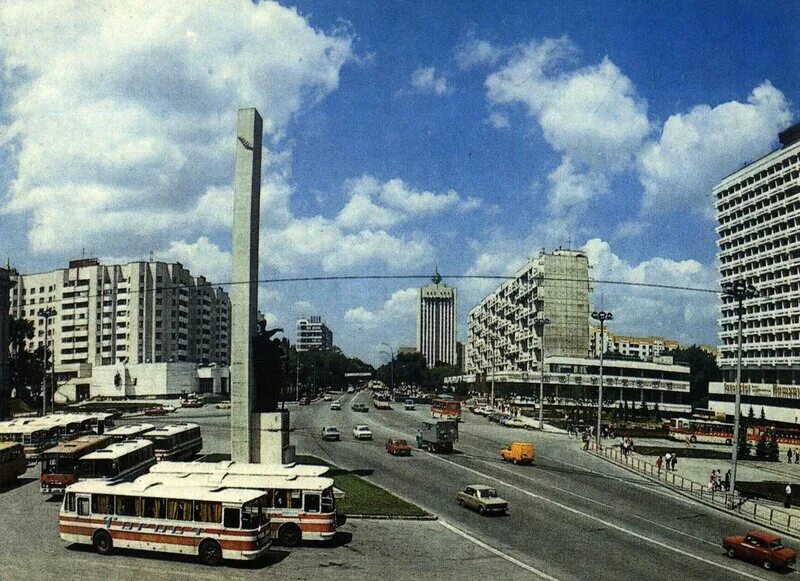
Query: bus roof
[(130, 430), (9, 446), (311, 483), (118, 449), (78, 445), (170, 430), (159, 489), (230, 467)]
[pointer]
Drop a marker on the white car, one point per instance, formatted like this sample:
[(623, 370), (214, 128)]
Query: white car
[(169, 408), (362, 432), (327, 397), (351, 389), (336, 405)]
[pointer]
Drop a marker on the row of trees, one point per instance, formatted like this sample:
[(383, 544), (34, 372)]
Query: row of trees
[(412, 369), (765, 449), (26, 366)]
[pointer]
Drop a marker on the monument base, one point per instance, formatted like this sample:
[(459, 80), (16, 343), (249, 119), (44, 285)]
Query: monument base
[(270, 438)]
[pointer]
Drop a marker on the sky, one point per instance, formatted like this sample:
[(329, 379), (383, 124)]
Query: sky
[(399, 137)]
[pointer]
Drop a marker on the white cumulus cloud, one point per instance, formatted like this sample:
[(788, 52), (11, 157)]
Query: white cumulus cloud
[(426, 80)]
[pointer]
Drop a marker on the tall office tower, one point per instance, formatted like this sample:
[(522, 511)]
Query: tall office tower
[(312, 333), (758, 210), (436, 322), (501, 333)]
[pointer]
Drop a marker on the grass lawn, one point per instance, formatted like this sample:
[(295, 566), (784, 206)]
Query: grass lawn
[(362, 497)]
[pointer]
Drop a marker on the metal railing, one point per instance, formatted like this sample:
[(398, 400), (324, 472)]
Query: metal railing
[(750, 509)]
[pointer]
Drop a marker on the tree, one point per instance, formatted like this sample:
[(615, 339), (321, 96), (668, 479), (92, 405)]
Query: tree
[(656, 413), (761, 447), (703, 369), (26, 367), (751, 415), (763, 415), (743, 444), (773, 452)]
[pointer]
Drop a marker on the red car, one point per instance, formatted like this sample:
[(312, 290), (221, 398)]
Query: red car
[(398, 447), (760, 547), (155, 411)]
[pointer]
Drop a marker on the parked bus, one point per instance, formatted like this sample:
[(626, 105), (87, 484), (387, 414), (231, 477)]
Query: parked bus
[(118, 462), (60, 463), (13, 463), (300, 507), (238, 468), (697, 430), (175, 442), (40, 433), (446, 409), (784, 436), (129, 432), (214, 524)]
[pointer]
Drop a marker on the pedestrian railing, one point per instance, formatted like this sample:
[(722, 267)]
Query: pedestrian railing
[(767, 515)]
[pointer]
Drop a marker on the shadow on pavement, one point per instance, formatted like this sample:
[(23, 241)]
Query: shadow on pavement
[(271, 557), (18, 483)]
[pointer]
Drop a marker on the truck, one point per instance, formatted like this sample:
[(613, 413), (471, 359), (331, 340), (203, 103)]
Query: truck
[(438, 436)]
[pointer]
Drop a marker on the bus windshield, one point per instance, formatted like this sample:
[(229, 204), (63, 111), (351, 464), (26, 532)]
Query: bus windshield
[(58, 465), (97, 468), (161, 442), (253, 515)]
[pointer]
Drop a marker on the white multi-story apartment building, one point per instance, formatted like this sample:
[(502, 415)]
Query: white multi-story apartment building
[(758, 210), (124, 314), (645, 348), (5, 390), (501, 334), (437, 323), (312, 333)]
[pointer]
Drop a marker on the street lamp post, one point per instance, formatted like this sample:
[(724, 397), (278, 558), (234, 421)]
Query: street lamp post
[(492, 396), (601, 316), (391, 365), (542, 322), (739, 291), (46, 314)]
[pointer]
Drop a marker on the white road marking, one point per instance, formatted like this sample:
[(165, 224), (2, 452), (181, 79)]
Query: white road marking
[(652, 522), (497, 552), (600, 520)]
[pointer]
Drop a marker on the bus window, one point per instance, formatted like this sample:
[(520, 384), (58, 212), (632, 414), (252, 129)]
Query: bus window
[(312, 503), (154, 508), (207, 511), (269, 494), (102, 504), (126, 505), (179, 509), (69, 502), (231, 520), (328, 503), (280, 498), (83, 506), (295, 499)]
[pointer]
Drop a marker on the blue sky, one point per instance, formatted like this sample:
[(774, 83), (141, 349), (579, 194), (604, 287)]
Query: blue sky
[(399, 136)]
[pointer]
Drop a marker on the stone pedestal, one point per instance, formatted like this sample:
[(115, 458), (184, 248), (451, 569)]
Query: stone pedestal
[(270, 438)]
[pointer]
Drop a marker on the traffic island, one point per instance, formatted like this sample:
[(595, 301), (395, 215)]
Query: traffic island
[(363, 499)]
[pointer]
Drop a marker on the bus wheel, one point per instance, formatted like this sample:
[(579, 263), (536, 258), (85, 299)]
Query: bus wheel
[(289, 535), (102, 542), (693, 439), (210, 553), (728, 441)]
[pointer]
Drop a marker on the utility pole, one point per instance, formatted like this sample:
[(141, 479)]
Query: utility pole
[(46, 314), (739, 291), (492, 397), (542, 322), (601, 316)]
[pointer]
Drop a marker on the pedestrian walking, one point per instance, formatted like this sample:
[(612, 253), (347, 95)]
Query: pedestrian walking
[(668, 458), (788, 502), (659, 461), (728, 480), (797, 456), (789, 456), (674, 461)]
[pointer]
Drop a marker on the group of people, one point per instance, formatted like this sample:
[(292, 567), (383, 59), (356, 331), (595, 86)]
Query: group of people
[(716, 483), (793, 453), (669, 461), (626, 446)]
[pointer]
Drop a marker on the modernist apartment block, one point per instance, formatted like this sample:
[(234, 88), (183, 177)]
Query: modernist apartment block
[(125, 314), (758, 210), (645, 348), (436, 323), (312, 333), (501, 333)]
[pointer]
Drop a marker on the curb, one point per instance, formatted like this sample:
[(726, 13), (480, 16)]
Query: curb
[(727, 511), (429, 517)]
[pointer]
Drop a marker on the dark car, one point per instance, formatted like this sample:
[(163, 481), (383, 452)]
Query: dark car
[(359, 407), (760, 547), (304, 401)]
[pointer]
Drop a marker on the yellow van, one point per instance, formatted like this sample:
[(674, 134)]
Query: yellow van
[(519, 453)]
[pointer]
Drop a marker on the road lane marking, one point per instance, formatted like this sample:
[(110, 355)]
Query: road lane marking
[(600, 520), (652, 522), (497, 552)]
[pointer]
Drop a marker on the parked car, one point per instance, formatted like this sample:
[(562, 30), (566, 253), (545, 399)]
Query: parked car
[(517, 423), (304, 401), (359, 407), (336, 405), (224, 405), (409, 405), (362, 432), (398, 447), (760, 547), (331, 433), (327, 397), (482, 498), (519, 453), (169, 408), (351, 389), (155, 411), (193, 403)]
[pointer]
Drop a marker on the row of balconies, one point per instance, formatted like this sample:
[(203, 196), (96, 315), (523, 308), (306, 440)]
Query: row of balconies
[(775, 198), (756, 192)]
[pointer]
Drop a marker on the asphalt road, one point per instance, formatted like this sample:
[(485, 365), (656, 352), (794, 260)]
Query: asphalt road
[(572, 516)]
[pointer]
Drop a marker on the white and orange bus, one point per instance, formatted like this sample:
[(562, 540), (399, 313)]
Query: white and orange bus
[(60, 463), (446, 409), (301, 508), (697, 430), (785, 436), (12, 462), (40, 433), (176, 441), (129, 432), (214, 524), (118, 461), (238, 468)]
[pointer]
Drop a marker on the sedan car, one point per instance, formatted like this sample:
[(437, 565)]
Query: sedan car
[(362, 432), (331, 433), (516, 423), (155, 411), (482, 498), (359, 407), (760, 547), (398, 447), (336, 405), (327, 397)]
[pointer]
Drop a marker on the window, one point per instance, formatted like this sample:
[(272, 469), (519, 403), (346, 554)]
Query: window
[(179, 509), (154, 508), (207, 511), (102, 504), (83, 506), (127, 506), (69, 502), (312, 503), (231, 520)]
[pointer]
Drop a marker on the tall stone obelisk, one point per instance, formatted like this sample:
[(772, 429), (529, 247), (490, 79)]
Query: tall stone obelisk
[(244, 293)]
